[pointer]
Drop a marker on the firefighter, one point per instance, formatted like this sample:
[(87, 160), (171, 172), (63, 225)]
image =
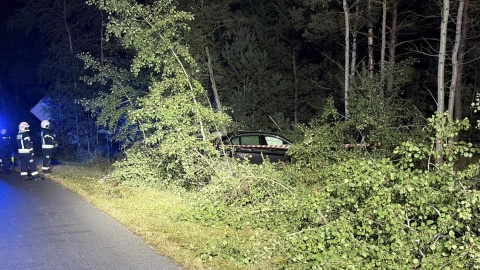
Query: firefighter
[(28, 169), (6, 151), (48, 144)]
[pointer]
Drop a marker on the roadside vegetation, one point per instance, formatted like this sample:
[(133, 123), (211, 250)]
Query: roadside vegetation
[(412, 203), (162, 218), (329, 209)]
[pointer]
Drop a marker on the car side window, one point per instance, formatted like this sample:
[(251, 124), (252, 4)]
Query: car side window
[(235, 141), (255, 140), (273, 141)]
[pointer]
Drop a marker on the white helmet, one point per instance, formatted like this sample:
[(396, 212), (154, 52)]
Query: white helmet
[(45, 124), (23, 126)]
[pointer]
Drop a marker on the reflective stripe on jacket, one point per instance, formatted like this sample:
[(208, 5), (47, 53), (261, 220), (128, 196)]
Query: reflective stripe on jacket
[(48, 141), (24, 143)]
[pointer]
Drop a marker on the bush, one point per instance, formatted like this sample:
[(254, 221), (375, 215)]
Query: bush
[(381, 214), (356, 211)]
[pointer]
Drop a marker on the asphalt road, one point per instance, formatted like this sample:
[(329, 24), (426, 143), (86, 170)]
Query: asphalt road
[(45, 226)]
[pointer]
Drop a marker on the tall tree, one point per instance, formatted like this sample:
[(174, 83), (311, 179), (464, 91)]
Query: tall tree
[(458, 107), (347, 56), (174, 116), (456, 75), (213, 81), (383, 42), (371, 60), (392, 44), (211, 23), (247, 82), (441, 57), (441, 73)]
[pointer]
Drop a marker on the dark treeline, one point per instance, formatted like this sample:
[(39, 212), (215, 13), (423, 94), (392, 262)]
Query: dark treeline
[(270, 65)]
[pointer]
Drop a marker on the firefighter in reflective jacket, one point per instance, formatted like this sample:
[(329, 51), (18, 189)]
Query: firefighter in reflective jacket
[(48, 143), (28, 169)]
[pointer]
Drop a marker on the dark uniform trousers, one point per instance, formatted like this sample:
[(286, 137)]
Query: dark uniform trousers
[(27, 164), (47, 158)]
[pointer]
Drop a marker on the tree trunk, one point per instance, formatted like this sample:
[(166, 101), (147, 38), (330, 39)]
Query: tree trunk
[(461, 61), (294, 63), (392, 44), (384, 42), (455, 65), (102, 57), (347, 56), (371, 62), (353, 65), (70, 44), (212, 80), (441, 57), (441, 74)]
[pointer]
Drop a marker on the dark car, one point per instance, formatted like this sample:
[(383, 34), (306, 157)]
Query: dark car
[(257, 146)]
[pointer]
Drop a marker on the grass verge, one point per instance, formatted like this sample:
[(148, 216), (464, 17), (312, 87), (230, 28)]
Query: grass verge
[(156, 217)]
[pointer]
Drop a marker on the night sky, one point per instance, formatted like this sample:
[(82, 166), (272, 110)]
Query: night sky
[(20, 89)]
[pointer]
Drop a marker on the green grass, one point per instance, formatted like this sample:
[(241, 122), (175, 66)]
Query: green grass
[(156, 217)]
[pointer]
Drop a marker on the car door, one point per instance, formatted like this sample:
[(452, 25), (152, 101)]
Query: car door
[(275, 148), (247, 146)]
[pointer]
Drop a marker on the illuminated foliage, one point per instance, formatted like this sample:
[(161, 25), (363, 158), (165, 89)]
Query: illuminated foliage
[(174, 117)]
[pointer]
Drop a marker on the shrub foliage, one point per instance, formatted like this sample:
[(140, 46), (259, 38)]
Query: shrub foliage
[(353, 210), (166, 122)]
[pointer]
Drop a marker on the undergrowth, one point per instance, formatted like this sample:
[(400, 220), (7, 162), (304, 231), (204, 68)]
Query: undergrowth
[(328, 209), (354, 209)]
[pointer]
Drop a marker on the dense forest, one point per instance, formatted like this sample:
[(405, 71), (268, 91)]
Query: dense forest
[(150, 84), (269, 66)]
